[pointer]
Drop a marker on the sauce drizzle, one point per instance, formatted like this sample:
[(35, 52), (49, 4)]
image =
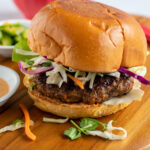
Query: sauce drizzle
[(4, 87)]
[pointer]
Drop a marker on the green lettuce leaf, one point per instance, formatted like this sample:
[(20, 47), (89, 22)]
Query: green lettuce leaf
[(22, 45)]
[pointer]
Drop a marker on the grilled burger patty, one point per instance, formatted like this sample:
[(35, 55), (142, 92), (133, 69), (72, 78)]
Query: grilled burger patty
[(103, 89)]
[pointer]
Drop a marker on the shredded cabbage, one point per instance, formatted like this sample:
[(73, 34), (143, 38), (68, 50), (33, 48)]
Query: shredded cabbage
[(14, 126), (39, 60), (25, 65), (107, 134), (90, 77), (79, 73), (25, 52), (114, 74), (139, 70), (52, 120), (134, 95), (100, 74), (36, 61), (57, 75)]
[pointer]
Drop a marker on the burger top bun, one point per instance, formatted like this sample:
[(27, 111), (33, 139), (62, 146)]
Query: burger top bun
[(87, 36)]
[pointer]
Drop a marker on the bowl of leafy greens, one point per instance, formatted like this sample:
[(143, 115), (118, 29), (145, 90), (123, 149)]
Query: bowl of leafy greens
[(11, 33)]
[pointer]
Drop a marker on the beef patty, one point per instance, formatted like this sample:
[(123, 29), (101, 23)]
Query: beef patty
[(103, 89)]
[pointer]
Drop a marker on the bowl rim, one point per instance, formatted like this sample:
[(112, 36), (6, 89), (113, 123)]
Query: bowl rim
[(15, 20), (14, 89), (6, 47)]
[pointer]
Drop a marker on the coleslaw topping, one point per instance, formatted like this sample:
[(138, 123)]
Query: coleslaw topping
[(57, 73)]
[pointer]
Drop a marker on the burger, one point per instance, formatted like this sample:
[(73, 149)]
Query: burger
[(87, 59)]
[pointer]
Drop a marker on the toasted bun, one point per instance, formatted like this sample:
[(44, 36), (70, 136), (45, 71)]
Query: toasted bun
[(71, 110), (87, 36)]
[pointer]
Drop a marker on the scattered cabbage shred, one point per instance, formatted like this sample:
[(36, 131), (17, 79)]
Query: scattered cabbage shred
[(14, 126), (52, 120), (107, 134)]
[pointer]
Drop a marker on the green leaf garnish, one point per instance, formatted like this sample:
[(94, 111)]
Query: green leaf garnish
[(80, 129), (32, 86), (72, 133), (86, 124), (92, 124), (16, 121), (106, 73), (30, 62), (47, 64), (89, 123)]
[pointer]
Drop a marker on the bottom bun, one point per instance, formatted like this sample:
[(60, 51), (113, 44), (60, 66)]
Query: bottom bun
[(73, 110), (76, 110)]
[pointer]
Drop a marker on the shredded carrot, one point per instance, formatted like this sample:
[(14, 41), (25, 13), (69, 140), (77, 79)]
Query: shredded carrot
[(78, 82), (28, 132)]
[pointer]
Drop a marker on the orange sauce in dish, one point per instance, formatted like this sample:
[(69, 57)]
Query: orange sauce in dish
[(4, 87)]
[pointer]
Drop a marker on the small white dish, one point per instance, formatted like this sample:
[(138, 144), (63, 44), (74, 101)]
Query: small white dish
[(7, 50), (13, 80)]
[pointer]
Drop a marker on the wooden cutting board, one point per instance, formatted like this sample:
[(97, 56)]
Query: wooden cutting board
[(135, 119)]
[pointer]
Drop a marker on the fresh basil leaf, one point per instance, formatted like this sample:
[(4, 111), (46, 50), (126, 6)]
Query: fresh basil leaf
[(89, 123), (16, 121), (72, 133), (23, 46)]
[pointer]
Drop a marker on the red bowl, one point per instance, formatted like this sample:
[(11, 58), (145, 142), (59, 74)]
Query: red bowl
[(30, 7)]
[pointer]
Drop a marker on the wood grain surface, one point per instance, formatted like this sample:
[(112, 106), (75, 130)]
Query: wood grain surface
[(135, 119)]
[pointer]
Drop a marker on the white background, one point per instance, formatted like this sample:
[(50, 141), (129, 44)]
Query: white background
[(9, 11)]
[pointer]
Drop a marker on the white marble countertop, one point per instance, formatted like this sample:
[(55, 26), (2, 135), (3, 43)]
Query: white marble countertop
[(142, 7)]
